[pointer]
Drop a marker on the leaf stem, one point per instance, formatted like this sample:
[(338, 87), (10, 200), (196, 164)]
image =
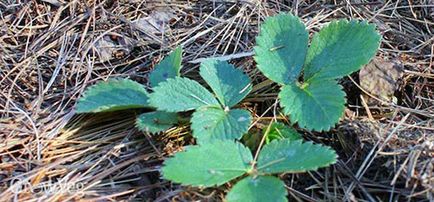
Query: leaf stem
[(302, 85), (261, 144)]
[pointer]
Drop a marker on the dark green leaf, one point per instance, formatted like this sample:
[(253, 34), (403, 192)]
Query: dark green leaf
[(315, 106), (281, 48), (207, 165), (181, 94), (112, 95), (281, 156), (340, 49), (230, 85), (259, 189), (169, 67), (215, 123)]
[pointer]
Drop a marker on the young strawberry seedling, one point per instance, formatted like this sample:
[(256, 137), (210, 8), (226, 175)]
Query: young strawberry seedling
[(315, 102), (310, 95)]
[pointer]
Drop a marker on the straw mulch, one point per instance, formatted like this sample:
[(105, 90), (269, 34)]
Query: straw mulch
[(51, 50)]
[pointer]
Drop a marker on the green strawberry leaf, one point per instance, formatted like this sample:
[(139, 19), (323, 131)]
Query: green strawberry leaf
[(215, 123), (259, 189), (112, 95), (340, 49), (181, 94), (281, 48), (230, 85), (169, 67), (317, 105), (210, 164), (281, 131), (294, 156), (157, 121)]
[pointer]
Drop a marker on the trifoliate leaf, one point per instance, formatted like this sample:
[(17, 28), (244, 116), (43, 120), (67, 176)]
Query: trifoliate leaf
[(169, 67), (281, 131), (230, 85), (207, 165), (215, 123), (293, 157), (181, 94), (317, 105), (340, 49), (281, 48), (112, 95), (259, 189), (157, 121)]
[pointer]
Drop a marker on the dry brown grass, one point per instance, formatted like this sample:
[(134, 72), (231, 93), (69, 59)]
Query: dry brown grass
[(50, 52)]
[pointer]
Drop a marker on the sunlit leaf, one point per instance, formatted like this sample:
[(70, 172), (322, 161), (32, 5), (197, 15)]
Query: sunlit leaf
[(215, 123), (280, 156), (181, 94), (230, 85), (258, 189), (112, 95), (207, 165), (281, 48), (341, 48), (315, 106)]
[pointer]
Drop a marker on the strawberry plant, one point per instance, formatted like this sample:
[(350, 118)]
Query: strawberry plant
[(220, 161), (214, 117), (120, 94), (309, 94), (314, 100)]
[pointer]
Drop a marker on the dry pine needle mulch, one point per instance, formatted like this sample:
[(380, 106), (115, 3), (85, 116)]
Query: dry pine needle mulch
[(51, 50)]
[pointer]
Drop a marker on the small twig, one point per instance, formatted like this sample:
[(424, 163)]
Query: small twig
[(224, 58)]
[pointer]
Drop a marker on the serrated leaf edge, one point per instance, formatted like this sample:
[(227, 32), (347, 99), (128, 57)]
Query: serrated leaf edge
[(370, 26), (261, 35), (310, 144), (187, 148), (312, 127), (109, 82), (226, 113), (151, 99)]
